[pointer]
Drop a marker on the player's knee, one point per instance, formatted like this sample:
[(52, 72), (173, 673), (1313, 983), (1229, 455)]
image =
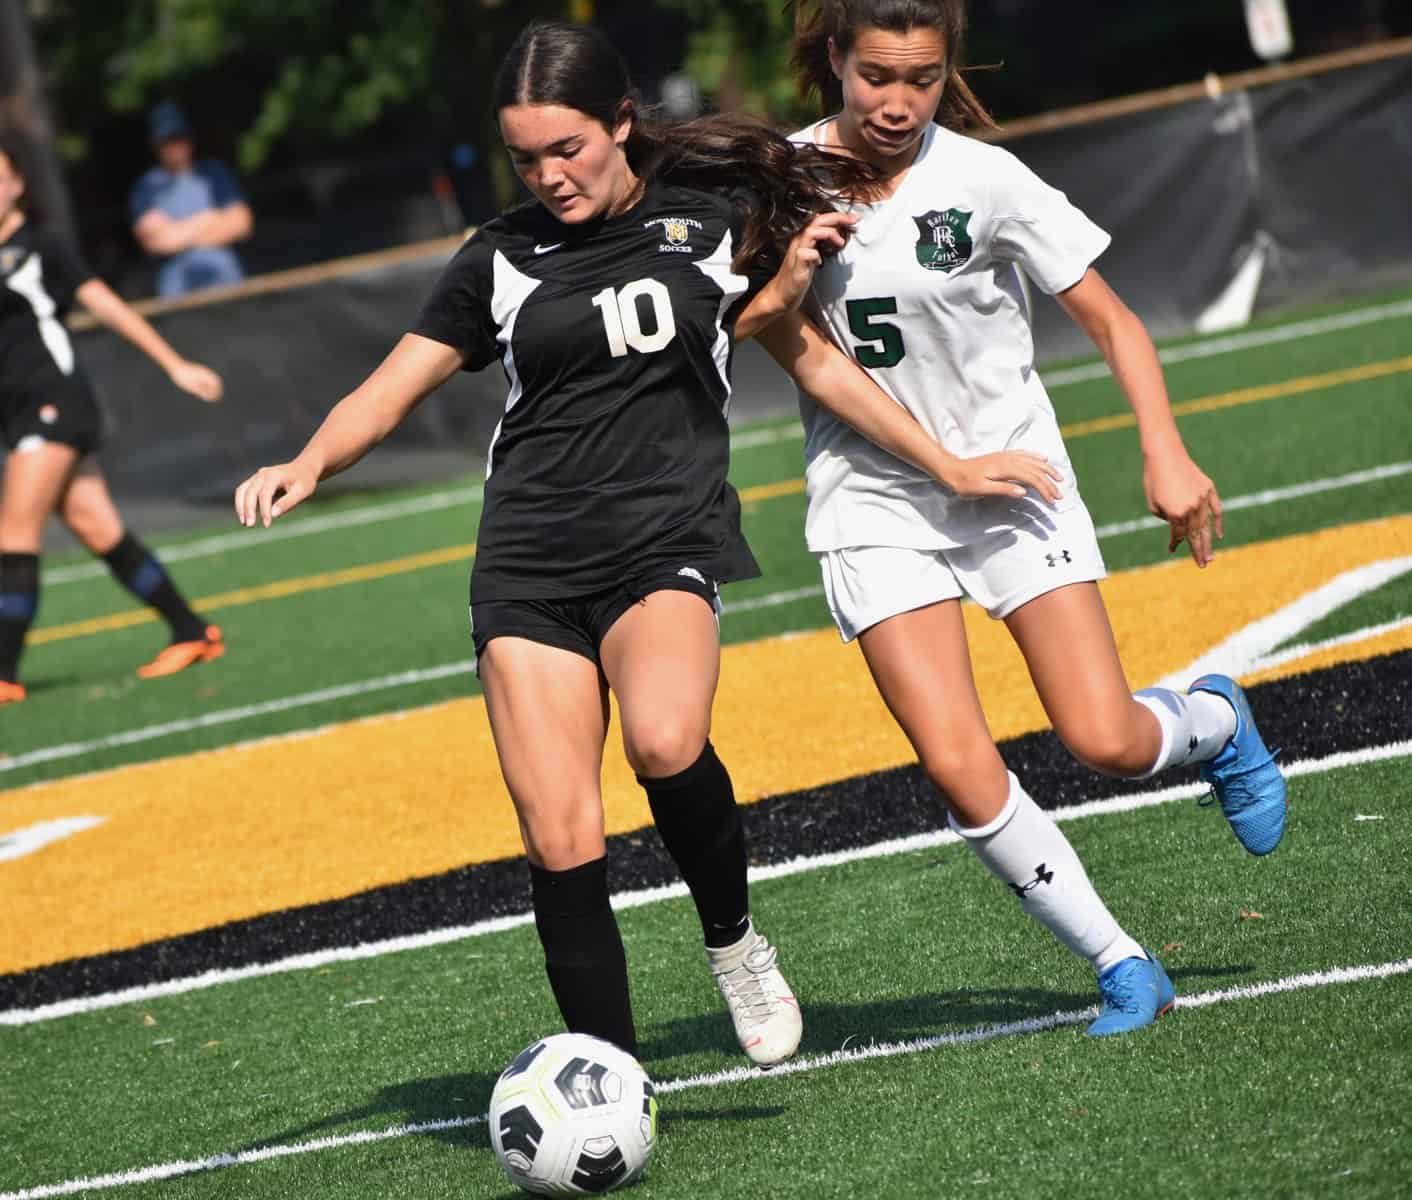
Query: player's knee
[(959, 767), (563, 846), (1111, 747), (665, 747)]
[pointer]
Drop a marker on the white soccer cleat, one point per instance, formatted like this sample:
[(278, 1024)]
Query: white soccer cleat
[(762, 1007)]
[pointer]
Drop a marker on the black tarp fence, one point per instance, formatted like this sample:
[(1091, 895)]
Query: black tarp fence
[(1229, 204)]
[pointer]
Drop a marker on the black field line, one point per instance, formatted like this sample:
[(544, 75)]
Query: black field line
[(1335, 718)]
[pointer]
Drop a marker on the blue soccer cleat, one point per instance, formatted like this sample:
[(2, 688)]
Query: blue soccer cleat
[(1135, 993), (1244, 775)]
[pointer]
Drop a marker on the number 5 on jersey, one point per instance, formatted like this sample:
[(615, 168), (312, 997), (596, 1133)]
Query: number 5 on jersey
[(879, 343), (622, 320)]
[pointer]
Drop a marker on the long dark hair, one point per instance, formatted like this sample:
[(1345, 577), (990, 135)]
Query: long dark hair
[(18, 152), (818, 21), (576, 66)]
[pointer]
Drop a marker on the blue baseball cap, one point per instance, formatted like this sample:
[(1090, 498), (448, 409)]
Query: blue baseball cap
[(167, 121)]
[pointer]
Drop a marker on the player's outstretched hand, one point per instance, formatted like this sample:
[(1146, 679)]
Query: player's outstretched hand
[(1008, 473), (273, 491), (827, 233), (1180, 493), (201, 382)]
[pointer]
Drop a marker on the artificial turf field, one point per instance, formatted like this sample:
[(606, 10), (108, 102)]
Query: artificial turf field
[(376, 814)]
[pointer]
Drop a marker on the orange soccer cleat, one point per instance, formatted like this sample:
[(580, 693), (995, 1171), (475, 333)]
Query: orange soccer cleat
[(11, 693), (180, 655)]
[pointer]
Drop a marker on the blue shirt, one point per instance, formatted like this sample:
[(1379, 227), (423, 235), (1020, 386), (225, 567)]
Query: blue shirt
[(209, 184)]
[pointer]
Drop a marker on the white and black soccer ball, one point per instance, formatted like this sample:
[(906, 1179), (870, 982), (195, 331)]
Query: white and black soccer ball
[(573, 1115)]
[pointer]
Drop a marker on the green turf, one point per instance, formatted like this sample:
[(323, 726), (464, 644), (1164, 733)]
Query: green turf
[(911, 945)]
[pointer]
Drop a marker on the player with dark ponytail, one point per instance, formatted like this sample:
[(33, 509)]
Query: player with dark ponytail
[(612, 300), (927, 297)]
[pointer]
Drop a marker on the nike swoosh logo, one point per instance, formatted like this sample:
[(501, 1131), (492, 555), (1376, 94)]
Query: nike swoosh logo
[(546, 249)]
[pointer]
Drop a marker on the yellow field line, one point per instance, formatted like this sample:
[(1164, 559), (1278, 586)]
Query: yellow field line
[(1251, 395), (266, 591), (764, 491)]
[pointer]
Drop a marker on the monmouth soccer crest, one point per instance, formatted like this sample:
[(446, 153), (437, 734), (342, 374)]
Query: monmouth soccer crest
[(676, 230), (944, 241)]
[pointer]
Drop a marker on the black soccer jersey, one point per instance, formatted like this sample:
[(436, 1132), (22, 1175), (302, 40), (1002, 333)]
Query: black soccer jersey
[(616, 337), (39, 275)]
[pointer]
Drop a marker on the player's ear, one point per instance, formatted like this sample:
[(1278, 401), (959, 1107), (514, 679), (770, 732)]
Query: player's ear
[(627, 117), (837, 60)]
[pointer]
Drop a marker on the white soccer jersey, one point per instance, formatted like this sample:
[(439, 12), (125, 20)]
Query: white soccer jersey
[(927, 297)]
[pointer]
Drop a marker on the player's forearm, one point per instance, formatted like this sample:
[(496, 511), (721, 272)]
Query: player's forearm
[(353, 427), (111, 310), (839, 385), (854, 399), (1133, 360), (363, 418), (769, 304)]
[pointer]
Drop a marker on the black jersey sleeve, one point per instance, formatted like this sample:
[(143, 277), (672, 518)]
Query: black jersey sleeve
[(744, 205), (65, 270), (458, 312)]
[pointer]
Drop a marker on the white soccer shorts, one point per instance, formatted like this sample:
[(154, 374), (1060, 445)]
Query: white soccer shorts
[(868, 584)]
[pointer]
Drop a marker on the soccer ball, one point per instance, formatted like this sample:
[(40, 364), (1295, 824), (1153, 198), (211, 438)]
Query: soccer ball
[(571, 1115)]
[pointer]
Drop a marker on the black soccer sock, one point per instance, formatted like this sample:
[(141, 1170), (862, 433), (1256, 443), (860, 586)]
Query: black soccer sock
[(583, 951), (19, 601), (696, 815), (137, 569)]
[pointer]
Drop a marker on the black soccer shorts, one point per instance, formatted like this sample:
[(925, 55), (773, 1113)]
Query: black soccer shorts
[(580, 623), (50, 407)]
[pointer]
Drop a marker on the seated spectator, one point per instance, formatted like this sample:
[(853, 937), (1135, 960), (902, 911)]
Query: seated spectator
[(188, 211)]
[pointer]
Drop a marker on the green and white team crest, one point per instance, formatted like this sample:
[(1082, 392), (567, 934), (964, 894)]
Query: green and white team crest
[(944, 241)]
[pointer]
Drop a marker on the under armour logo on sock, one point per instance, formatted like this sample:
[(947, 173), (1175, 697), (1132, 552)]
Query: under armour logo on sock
[(1192, 745), (1040, 876), (1053, 559)]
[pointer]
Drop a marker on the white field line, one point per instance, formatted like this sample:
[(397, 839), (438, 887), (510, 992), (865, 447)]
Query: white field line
[(752, 438), (637, 899), (1290, 653), (1274, 496), (748, 604), (33, 838), (227, 716), (1332, 977), (216, 1162), (243, 540), (1246, 650), (1213, 347)]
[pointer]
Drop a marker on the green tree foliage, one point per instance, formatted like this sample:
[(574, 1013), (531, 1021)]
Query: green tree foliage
[(288, 73), (739, 56)]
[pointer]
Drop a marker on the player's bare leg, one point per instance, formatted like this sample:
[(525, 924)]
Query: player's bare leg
[(1068, 645), (922, 667), (662, 660), (87, 508), (1073, 659), (921, 663), (34, 480), (548, 712)]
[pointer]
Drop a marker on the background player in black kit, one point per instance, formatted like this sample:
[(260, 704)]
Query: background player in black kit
[(611, 302), (51, 426)]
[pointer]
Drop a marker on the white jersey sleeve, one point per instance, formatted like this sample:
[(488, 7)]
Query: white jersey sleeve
[(1035, 227)]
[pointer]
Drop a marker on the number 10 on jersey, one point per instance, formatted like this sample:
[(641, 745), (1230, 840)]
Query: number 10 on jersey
[(622, 319)]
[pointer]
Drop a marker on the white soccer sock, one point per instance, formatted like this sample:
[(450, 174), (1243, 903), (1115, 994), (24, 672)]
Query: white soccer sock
[(1195, 725), (1026, 850)]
